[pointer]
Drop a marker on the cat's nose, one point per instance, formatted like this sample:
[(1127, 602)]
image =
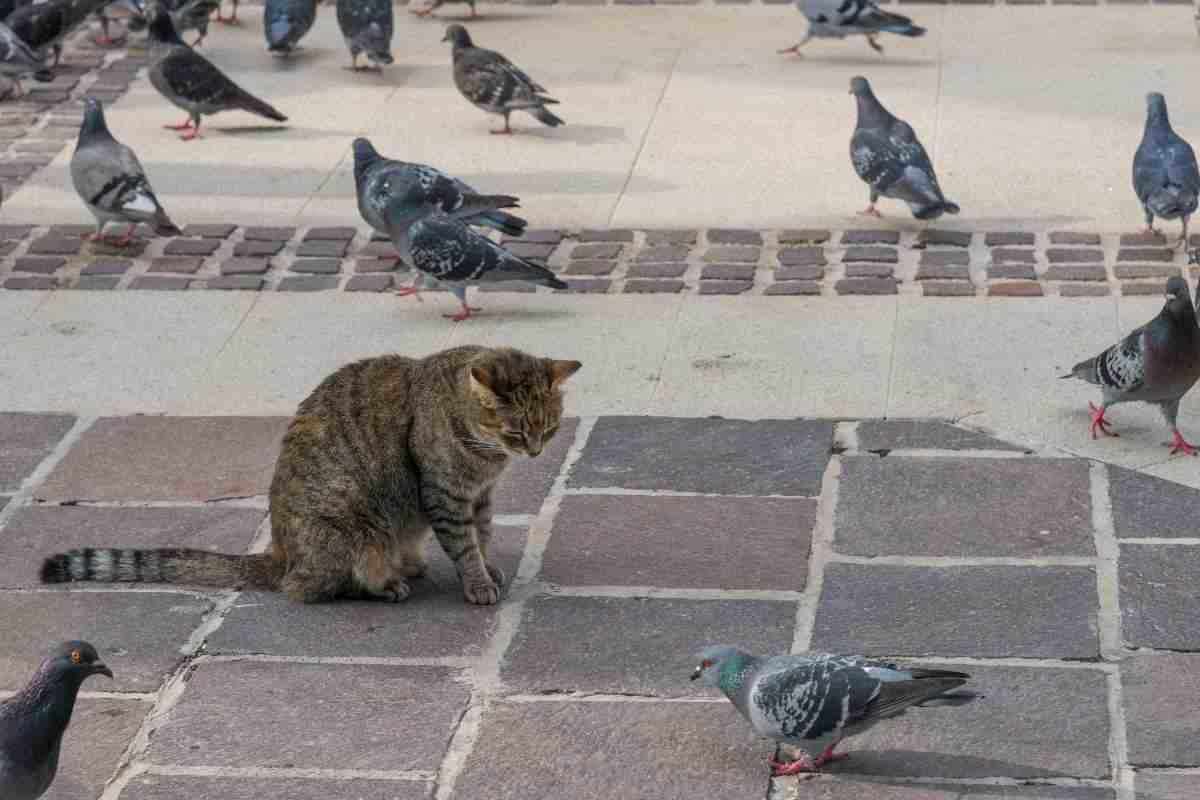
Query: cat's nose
[(532, 446)]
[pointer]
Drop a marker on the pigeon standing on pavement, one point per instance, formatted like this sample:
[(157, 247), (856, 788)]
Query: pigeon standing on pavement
[(33, 721), (1165, 175), (110, 180), (18, 60), (436, 4), (380, 181), (1157, 363), (286, 21), (891, 161), (47, 24), (837, 19), (367, 28), (190, 81), (812, 702), (494, 84), (191, 15)]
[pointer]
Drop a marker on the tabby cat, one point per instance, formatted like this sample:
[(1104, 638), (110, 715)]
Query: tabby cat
[(383, 449)]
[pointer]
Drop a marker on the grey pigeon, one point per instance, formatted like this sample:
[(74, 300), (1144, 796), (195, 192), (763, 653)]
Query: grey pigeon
[(1165, 175), (17, 59), (111, 181), (190, 81), (33, 721), (136, 21), (814, 701), (232, 19), (191, 15), (379, 182), (367, 28), (494, 84), (888, 157), (436, 4), (286, 21), (1157, 363), (47, 24), (837, 19)]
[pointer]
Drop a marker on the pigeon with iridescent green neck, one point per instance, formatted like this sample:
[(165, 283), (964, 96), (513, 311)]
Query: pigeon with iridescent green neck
[(814, 701)]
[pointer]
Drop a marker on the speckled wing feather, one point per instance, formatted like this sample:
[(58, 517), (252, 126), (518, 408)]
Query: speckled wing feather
[(875, 158), (1120, 369), (445, 248), (857, 16), (489, 79)]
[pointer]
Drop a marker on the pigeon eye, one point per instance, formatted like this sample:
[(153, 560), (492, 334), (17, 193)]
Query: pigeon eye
[(76, 657)]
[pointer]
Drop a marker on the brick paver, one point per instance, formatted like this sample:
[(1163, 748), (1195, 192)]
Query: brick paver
[(913, 542)]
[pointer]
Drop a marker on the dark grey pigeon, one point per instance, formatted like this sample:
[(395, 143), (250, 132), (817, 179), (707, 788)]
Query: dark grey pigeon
[(367, 28), (494, 84), (888, 157), (19, 60), (1165, 175), (1157, 363), (286, 21), (111, 181), (47, 24), (814, 701), (379, 182), (192, 15), (190, 81), (837, 19), (436, 4), (33, 721)]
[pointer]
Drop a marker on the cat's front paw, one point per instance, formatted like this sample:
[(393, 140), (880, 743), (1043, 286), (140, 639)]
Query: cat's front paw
[(415, 568), (497, 574), (482, 593)]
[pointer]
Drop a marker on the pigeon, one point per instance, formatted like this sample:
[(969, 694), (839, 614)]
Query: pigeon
[(814, 701), (137, 19), (837, 19), (33, 721), (47, 24), (232, 19), (1165, 175), (18, 59), (380, 181), (494, 84), (190, 81), (367, 27), (1157, 363), (192, 15), (429, 9), (110, 180), (888, 157), (286, 21)]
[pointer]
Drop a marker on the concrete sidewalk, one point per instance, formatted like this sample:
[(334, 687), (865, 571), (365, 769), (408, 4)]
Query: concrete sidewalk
[(683, 115)]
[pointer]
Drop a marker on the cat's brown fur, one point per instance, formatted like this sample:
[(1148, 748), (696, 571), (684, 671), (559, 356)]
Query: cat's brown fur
[(383, 449)]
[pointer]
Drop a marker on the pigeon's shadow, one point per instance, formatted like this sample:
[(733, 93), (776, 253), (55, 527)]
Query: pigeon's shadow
[(578, 134), (865, 61), (295, 59), (284, 131), (465, 18), (886, 767)]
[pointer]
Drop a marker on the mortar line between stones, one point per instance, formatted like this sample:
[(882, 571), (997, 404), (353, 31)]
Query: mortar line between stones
[(617, 491), (602, 697), (1188, 541), (423, 776), (20, 498), (454, 662), (660, 592), (957, 561), (486, 675), (821, 548), (633, 164)]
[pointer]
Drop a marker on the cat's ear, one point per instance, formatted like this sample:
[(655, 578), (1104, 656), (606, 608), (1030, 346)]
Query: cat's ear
[(482, 381), (561, 370)]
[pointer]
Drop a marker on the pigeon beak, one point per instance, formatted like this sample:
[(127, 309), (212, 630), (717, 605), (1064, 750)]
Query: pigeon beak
[(100, 668), (696, 673)]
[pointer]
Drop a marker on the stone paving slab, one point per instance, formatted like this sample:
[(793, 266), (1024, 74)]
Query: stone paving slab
[(717, 542), (879, 789), (1162, 713), (1144, 507), (1161, 607), (916, 507), (27, 535), (634, 645), (545, 751), (1153, 785), (100, 731), (724, 456), (365, 717), (159, 787), (169, 458), (901, 434), (1031, 612), (28, 439)]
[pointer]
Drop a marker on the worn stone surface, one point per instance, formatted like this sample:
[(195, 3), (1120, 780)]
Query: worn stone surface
[(1009, 239), (912, 434), (1004, 255), (434, 621), (1127, 271), (212, 231), (663, 253), (804, 236), (160, 283), (1159, 602), (733, 236), (794, 287), (317, 266), (122, 458), (237, 283), (1073, 238), (671, 237), (35, 283), (536, 251), (36, 531), (43, 265), (258, 248), (1083, 290), (653, 286), (25, 441), (964, 507), (308, 283), (850, 787), (634, 645), (1030, 612), (886, 255), (948, 289), (870, 237), (724, 456), (588, 266), (866, 286), (1162, 255), (802, 257), (671, 269), (539, 751), (159, 787), (268, 233), (1023, 272), (869, 270), (244, 266), (99, 732), (602, 250), (944, 272), (138, 634), (1077, 272), (799, 273), (369, 283), (97, 282), (188, 265), (933, 237), (731, 253), (1162, 712), (1146, 507), (1152, 785), (55, 246), (1074, 255), (587, 286), (1015, 289), (696, 542), (604, 235), (727, 272), (944, 258), (347, 719), (191, 247)]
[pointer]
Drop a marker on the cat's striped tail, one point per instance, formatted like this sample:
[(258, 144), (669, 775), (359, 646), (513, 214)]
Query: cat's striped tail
[(169, 565)]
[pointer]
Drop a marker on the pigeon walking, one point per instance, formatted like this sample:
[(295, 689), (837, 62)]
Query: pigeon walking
[(110, 180), (379, 182), (888, 157), (232, 19), (812, 702), (436, 4), (837, 19), (286, 21), (494, 84), (19, 60), (367, 28), (1165, 175), (191, 15), (1157, 363), (190, 81), (47, 24), (33, 721)]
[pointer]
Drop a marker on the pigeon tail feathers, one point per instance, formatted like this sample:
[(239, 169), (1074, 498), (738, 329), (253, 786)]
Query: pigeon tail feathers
[(544, 116)]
